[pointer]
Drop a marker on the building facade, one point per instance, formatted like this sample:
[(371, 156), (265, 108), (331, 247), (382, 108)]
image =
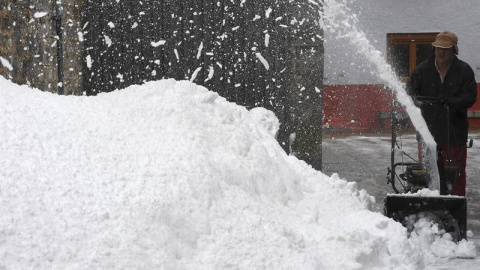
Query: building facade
[(354, 95)]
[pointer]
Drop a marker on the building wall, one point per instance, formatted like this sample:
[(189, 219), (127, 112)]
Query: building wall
[(28, 42), (344, 66), (347, 109)]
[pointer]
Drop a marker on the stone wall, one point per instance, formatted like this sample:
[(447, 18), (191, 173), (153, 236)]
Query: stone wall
[(28, 41)]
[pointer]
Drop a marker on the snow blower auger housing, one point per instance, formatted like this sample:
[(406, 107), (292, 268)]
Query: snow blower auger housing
[(407, 206), (449, 212)]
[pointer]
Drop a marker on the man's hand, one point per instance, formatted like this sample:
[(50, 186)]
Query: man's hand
[(417, 102)]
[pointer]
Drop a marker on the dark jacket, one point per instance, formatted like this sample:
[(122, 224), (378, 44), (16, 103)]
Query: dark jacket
[(459, 91)]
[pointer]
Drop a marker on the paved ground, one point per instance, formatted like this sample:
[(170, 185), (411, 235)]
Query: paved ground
[(365, 159)]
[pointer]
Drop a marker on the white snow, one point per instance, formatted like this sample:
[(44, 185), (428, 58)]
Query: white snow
[(108, 40), (80, 36), (263, 60), (158, 43), (169, 175), (39, 15), (176, 54), (120, 77), (211, 72), (6, 63), (195, 74), (426, 193), (267, 12), (200, 48), (89, 61)]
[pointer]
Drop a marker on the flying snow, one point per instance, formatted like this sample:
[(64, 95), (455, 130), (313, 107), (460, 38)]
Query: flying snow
[(158, 43), (6, 63), (263, 60)]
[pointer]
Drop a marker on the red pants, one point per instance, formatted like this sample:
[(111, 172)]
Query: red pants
[(458, 158)]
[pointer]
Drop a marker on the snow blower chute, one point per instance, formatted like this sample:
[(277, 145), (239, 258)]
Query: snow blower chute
[(407, 206)]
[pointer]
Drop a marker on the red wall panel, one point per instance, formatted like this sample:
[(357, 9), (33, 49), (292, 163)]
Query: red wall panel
[(357, 107), (475, 122)]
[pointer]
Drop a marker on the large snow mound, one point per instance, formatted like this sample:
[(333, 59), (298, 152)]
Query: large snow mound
[(169, 175)]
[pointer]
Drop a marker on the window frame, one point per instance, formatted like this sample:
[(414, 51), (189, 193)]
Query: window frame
[(412, 39)]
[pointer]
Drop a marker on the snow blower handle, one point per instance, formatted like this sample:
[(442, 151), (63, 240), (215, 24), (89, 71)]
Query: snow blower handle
[(420, 100)]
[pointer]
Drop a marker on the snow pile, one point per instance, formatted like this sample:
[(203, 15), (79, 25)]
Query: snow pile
[(428, 235), (169, 175)]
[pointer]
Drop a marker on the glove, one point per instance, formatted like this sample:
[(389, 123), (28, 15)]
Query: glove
[(417, 103)]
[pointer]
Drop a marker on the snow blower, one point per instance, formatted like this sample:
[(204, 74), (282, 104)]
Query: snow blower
[(407, 205)]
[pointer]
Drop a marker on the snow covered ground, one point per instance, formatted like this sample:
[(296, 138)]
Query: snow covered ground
[(169, 175)]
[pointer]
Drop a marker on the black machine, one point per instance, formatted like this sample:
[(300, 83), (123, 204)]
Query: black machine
[(405, 206)]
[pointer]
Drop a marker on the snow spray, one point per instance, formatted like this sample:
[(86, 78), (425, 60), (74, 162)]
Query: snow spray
[(341, 21)]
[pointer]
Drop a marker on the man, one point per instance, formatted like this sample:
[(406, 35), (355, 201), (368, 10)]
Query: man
[(447, 87)]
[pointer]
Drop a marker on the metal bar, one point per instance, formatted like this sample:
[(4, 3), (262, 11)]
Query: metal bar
[(394, 140), (58, 26)]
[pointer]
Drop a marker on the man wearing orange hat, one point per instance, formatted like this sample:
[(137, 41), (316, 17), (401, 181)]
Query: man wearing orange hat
[(447, 87)]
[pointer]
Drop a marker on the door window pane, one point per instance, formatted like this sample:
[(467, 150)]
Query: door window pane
[(407, 50), (400, 56), (424, 51)]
